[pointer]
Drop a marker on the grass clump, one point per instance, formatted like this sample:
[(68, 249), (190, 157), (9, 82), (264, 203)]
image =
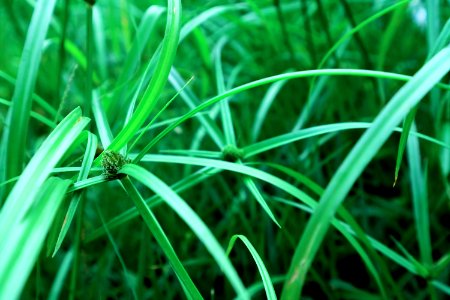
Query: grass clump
[(330, 102)]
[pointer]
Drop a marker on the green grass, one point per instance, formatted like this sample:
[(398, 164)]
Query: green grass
[(314, 132)]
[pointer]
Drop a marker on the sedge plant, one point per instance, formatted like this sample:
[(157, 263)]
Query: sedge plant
[(222, 149)]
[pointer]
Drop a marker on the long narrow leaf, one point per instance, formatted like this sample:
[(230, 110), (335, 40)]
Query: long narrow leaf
[(268, 287), (366, 148), (84, 172), (192, 220), (159, 79), (281, 184), (38, 169), (25, 238), (420, 200), (16, 132), (182, 185), (162, 239), (268, 80)]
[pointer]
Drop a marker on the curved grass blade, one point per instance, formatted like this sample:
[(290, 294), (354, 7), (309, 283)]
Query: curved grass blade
[(259, 286), (264, 107), (420, 200), (316, 88), (349, 235), (60, 277), (191, 25), (16, 130), (38, 169), (99, 41), (280, 184), (159, 79), (268, 80), (313, 186), (260, 199), (191, 100), (407, 123), (104, 130), (442, 287), (162, 239), (227, 120), (444, 154), (191, 219), (143, 130), (268, 287), (84, 172), (196, 153), (227, 124), (357, 28), (132, 213), (33, 114), (366, 148), (291, 137), (417, 264), (206, 15), (440, 43), (143, 33), (442, 40), (25, 238), (36, 98)]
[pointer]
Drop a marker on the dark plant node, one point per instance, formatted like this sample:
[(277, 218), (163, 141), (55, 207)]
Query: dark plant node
[(232, 154), (112, 162)]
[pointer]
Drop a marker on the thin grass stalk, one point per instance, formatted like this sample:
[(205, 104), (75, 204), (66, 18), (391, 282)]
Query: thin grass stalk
[(87, 108), (62, 51), (310, 44), (89, 59), (73, 284)]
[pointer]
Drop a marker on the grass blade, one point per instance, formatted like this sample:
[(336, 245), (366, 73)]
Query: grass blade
[(268, 287), (264, 107), (104, 130), (354, 164), (255, 192), (38, 169), (163, 241), (442, 287), (159, 79), (191, 100), (133, 58), (192, 220), (408, 122), (16, 131), (269, 80), (420, 200), (25, 238), (60, 277), (280, 184), (182, 185), (227, 121), (440, 43), (284, 139), (84, 172)]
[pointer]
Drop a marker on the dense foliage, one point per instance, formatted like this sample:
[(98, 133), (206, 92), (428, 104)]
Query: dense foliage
[(221, 149)]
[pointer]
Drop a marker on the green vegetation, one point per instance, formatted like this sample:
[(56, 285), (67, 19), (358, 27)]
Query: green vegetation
[(221, 149)]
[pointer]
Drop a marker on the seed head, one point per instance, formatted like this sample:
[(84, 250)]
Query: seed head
[(112, 162)]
